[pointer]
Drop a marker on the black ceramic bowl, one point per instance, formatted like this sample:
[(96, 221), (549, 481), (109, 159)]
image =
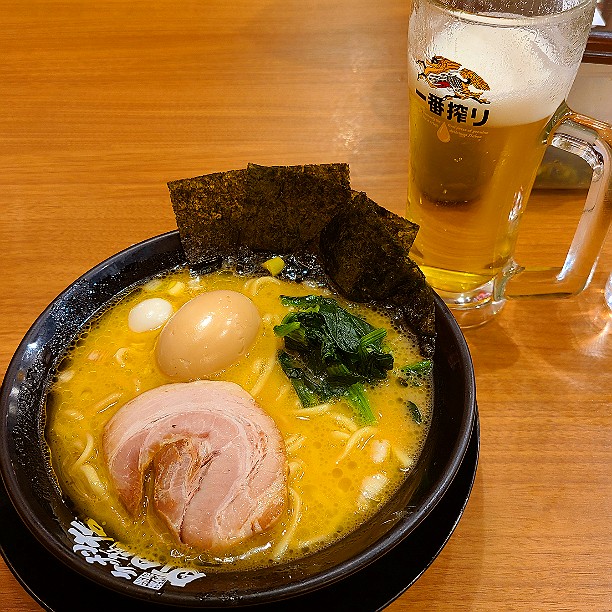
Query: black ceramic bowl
[(35, 496)]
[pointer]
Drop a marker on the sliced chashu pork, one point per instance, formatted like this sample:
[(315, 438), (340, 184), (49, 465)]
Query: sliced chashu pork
[(219, 462)]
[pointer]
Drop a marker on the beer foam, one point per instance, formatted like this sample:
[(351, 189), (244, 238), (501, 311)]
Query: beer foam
[(528, 77)]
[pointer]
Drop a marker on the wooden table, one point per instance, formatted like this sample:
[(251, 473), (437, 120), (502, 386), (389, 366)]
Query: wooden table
[(102, 103)]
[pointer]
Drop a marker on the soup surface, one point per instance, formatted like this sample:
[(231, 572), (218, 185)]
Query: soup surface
[(340, 470)]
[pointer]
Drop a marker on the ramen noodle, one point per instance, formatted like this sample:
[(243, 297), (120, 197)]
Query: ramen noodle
[(339, 470)]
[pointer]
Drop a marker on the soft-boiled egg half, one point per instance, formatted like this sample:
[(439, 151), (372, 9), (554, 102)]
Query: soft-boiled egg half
[(207, 334)]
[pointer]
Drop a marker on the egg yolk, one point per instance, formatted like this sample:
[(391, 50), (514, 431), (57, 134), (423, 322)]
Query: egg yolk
[(207, 334)]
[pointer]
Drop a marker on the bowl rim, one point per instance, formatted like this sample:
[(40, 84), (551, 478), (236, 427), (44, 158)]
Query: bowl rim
[(302, 585)]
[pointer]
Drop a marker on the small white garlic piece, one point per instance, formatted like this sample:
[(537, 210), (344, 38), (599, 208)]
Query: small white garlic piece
[(149, 315), (372, 486), (380, 450)]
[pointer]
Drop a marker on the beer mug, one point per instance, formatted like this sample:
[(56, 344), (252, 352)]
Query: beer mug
[(488, 80)]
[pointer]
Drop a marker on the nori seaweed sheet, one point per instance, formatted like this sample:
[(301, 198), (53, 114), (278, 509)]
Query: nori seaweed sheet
[(209, 213), (338, 173), (365, 253), (306, 213), (289, 208), (217, 213)]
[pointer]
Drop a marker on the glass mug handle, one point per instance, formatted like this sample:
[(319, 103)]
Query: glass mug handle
[(592, 141)]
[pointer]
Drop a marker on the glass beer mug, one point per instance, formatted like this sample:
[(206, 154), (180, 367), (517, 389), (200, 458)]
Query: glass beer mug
[(488, 80)]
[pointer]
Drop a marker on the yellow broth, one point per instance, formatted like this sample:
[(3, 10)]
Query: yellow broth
[(339, 471)]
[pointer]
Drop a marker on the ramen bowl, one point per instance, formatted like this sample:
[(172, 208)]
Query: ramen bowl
[(86, 550)]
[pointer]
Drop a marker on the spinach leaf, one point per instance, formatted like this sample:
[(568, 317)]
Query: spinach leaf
[(415, 413), (331, 353), (415, 373)]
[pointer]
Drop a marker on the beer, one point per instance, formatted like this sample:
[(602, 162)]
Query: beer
[(466, 192), (482, 94)]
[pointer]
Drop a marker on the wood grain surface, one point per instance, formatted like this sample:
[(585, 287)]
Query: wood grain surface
[(102, 103)]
